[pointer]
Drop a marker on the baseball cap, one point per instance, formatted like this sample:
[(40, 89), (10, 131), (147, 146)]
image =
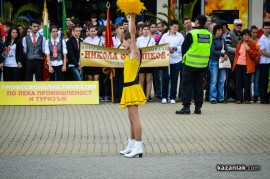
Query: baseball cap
[(237, 21)]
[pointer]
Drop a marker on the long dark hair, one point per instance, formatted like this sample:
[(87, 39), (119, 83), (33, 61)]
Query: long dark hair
[(8, 39)]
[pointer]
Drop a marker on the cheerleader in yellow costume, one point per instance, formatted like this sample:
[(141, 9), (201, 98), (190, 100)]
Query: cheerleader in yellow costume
[(132, 95)]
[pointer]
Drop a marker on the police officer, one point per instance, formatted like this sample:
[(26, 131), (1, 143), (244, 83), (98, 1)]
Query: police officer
[(196, 50)]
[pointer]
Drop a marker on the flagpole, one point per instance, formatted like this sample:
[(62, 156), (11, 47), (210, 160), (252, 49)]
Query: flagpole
[(45, 17), (59, 8), (112, 70)]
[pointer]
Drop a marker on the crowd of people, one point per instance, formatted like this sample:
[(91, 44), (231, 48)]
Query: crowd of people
[(22, 50)]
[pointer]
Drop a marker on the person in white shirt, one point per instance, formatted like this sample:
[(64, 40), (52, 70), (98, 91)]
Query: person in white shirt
[(34, 49), (175, 40), (146, 72), (264, 43), (118, 80), (117, 39), (56, 52), (92, 73), (12, 56)]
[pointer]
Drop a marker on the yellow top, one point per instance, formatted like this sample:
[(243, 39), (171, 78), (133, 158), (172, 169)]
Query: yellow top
[(131, 69), (133, 94)]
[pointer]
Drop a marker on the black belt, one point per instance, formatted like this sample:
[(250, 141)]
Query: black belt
[(135, 82)]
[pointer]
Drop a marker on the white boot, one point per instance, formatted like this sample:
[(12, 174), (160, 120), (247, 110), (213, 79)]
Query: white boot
[(128, 148), (136, 150)]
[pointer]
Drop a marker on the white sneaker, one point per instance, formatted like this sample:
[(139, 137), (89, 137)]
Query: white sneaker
[(173, 101), (164, 101), (128, 148), (136, 150)]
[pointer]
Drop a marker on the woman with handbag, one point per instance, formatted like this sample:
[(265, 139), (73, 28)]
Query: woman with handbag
[(244, 65), (219, 54)]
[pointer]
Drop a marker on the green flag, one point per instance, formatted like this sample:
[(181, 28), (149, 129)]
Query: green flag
[(46, 34), (64, 17), (45, 21)]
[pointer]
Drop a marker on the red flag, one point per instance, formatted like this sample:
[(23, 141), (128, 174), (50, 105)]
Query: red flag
[(109, 43), (108, 32)]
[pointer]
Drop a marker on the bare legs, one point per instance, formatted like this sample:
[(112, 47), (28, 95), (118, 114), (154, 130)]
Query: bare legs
[(135, 124), (149, 81), (136, 133), (91, 77)]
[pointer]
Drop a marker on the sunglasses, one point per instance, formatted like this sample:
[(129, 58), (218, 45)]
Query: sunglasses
[(240, 25)]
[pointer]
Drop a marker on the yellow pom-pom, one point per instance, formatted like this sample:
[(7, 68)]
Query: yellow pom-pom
[(130, 6)]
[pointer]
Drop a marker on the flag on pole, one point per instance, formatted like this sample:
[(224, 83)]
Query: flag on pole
[(64, 17), (45, 18), (108, 31), (109, 43)]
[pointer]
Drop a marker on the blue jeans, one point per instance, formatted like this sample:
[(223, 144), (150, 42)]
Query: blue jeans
[(217, 80), (255, 77), (75, 73), (173, 77)]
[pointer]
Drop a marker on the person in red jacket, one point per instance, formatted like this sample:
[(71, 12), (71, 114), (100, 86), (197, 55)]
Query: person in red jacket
[(244, 66), (260, 32)]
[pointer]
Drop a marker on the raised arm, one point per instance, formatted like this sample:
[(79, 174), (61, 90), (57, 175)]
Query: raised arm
[(133, 46)]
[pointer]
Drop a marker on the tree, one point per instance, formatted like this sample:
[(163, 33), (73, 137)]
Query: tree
[(175, 13), (16, 19)]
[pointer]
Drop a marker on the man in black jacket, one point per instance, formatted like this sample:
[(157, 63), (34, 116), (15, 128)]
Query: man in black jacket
[(196, 52), (73, 48)]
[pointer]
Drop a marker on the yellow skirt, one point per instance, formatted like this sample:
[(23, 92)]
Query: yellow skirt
[(132, 95)]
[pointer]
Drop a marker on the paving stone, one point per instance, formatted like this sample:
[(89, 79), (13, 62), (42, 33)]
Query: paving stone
[(83, 141)]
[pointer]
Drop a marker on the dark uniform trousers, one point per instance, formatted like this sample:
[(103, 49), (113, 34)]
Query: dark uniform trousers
[(34, 66), (192, 82), (118, 82)]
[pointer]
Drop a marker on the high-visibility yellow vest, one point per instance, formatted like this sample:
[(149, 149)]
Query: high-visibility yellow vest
[(198, 53)]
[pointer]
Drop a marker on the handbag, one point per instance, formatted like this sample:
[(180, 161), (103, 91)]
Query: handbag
[(226, 63)]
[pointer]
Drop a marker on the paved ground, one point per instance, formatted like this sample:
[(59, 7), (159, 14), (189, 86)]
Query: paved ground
[(82, 141)]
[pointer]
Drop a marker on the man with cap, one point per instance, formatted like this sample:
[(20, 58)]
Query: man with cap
[(196, 52), (233, 37)]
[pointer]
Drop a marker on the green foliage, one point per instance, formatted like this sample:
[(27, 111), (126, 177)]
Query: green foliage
[(188, 8), (176, 14), (22, 21), (9, 17), (7, 11)]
